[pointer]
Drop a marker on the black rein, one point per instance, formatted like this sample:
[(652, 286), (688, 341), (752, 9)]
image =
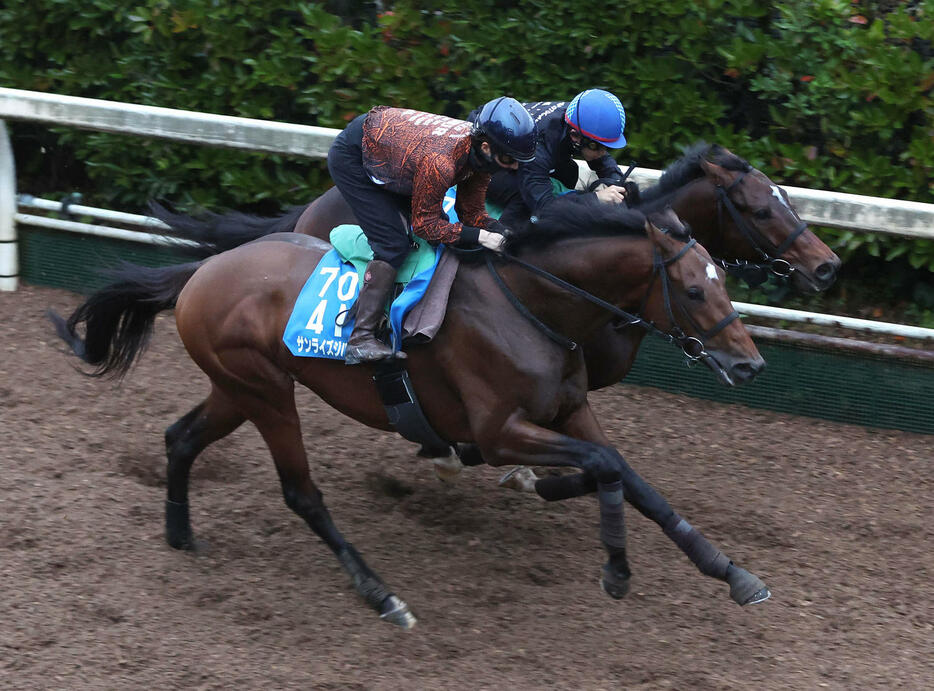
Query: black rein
[(692, 347)]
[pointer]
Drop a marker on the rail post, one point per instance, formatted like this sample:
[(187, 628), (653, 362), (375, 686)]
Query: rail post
[(9, 261)]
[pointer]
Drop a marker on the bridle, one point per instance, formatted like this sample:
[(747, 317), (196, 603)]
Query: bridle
[(692, 347), (753, 273)]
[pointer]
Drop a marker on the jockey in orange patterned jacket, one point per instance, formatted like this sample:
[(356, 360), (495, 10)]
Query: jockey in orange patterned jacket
[(394, 167)]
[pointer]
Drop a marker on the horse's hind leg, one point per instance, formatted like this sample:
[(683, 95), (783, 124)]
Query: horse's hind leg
[(278, 422), (212, 419)]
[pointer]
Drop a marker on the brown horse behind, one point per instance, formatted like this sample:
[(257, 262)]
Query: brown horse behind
[(231, 311)]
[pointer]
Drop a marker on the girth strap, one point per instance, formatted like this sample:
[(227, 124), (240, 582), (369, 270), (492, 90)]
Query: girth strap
[(402, 407)]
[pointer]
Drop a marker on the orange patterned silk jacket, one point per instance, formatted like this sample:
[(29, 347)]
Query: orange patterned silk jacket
[(422, 155)]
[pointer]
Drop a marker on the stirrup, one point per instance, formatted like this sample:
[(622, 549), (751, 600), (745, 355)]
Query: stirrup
[(366, 352)]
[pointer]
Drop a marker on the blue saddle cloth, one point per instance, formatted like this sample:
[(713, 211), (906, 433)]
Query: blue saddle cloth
[(318, 325)]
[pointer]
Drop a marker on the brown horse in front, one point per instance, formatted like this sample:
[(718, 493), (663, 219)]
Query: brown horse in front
[(231, 311)]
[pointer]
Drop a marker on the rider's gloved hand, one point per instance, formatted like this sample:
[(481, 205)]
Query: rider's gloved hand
[(611, 194), (494, 225), (492, 241)]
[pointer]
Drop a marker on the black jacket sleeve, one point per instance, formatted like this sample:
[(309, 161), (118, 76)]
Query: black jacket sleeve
[(535, 180), (605, 167)]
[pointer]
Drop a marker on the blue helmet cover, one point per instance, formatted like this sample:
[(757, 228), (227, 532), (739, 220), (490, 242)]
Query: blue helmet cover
[(598, 115)]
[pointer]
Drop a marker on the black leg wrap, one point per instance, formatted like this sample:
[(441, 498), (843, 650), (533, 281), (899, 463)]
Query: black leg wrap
[(178, 525), (367, 583), (612, 525), (616, 572), (560, 487), (469, 454), (704, 555)]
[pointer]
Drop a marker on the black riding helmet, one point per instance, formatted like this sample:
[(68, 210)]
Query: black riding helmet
[(508, 127)]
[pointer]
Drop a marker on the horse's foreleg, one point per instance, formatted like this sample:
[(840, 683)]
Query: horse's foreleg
[(609, 357), (745, 588), (520, 441), (212, 419), (279, 425)]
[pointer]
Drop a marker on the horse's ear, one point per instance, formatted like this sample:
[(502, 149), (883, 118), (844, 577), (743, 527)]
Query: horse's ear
[(656, 235), (718, 174)]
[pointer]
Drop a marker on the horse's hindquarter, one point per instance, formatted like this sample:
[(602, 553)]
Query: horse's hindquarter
[(325, 213), (232, 313)]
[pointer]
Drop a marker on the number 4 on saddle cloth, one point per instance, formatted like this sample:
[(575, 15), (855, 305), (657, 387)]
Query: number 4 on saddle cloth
[(319, 325)]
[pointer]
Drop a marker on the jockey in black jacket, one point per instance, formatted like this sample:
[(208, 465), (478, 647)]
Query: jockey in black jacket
[(587, 127)]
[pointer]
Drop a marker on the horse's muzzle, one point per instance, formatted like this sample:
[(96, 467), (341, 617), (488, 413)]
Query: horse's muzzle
[(746, 371), (818, 280)]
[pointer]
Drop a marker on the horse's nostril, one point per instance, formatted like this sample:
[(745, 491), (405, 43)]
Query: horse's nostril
[(826, 272), (744, 371)]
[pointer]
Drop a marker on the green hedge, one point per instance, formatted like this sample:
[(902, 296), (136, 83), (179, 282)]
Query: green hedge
[(829, 94)]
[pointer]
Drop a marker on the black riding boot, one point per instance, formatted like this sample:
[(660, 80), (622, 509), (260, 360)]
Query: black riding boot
[(363, 345)]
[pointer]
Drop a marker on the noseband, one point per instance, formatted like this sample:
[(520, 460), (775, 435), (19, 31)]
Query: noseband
[(753, 273), (692, 347)]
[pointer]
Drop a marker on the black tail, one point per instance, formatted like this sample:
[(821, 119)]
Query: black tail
[(216, 233), (118, 318)]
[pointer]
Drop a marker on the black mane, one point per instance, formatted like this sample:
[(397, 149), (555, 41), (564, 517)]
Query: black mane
[(687, 168), (573, 216)]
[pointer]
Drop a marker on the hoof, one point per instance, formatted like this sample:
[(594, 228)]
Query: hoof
[(61, 329), (613, 584), (759, 596), (178, 527), (395, 611), (183, 542), (194, 546), (520, 478), (745, 588), (447, 469)]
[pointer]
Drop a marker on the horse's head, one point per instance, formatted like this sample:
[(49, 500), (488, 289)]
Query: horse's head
[(757, 223), (688, 299)]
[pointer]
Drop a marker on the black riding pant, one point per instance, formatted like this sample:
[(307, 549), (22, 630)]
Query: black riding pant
[(383, 215)]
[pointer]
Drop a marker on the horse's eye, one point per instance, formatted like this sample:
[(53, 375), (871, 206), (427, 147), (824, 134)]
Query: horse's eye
[(762, 214), (696, 294)]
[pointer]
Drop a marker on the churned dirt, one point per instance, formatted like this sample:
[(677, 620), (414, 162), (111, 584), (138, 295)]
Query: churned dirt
[(836, 519)]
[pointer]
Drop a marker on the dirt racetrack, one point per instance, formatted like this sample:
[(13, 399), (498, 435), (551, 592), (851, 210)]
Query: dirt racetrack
[(836, 519)]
